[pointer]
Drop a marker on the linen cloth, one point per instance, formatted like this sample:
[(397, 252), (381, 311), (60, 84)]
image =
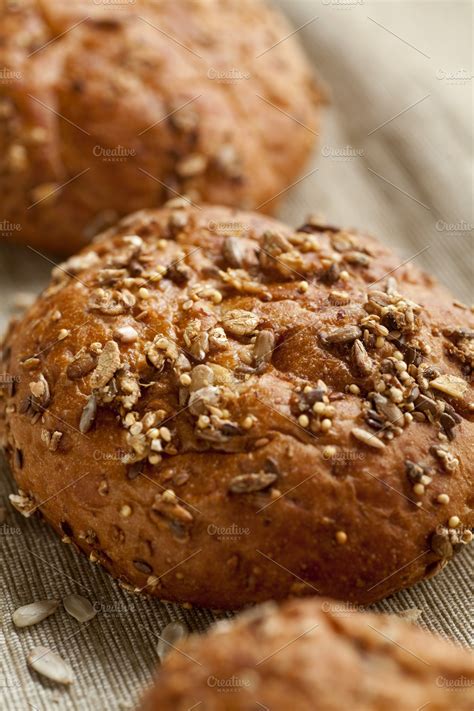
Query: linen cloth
[(395, 159)]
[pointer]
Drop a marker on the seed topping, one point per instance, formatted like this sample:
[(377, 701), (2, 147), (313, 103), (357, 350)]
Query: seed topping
[(250, 483)]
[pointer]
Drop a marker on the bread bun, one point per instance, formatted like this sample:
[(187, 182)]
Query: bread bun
[(106, 108), (222, 410), (313, 654)]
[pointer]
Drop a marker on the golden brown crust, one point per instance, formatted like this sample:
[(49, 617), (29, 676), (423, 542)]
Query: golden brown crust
[(126, 105), (310, 655), (222, 410)]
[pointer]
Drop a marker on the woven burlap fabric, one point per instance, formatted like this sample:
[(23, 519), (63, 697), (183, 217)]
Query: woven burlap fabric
[(386, 65)]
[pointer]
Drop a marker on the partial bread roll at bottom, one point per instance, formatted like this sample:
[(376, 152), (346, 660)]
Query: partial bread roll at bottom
[(313, 654), (221, 410)]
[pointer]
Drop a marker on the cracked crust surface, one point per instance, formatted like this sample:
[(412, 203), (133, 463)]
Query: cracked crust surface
[(313, 655), (109, 109), (221, 410)]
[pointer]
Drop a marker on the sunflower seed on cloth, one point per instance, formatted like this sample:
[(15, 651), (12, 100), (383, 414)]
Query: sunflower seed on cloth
[(169, 637), (50, 665), (412, 614), (33, 613), (79, 607)]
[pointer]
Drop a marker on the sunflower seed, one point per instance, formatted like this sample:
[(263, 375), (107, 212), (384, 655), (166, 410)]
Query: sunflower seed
[(430, 373), (367, 438), (79, 607), (414, 471), (388, 409), (203, 398), (263, 346), (184, 120), (191, 165), (313, 395), (34, 612), (412, 614), (88, 414), (357, 258), (126, 334), (142, 566), (24, 503), (391, 285), (331, 275), (316, 224), (375, 424), (50, 665), (135, 470), (24, 405), (55, 440), (274, 244), (232, 252), (179, 273), (414, 394), (18, 458), (169, 637), (341, 242), (412, 355), (361, 359), (109, 277), (426, 404), (457, 333), (45, 192), (81, 366), (441, 545), (248, 483), (200, 346), (40, 392), (167, 505), (228, 160), (448, 423), (345, 334)]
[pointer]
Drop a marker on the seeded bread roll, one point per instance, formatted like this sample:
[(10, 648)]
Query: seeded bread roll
[(107, 108), (221, 410), (313, 654)]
